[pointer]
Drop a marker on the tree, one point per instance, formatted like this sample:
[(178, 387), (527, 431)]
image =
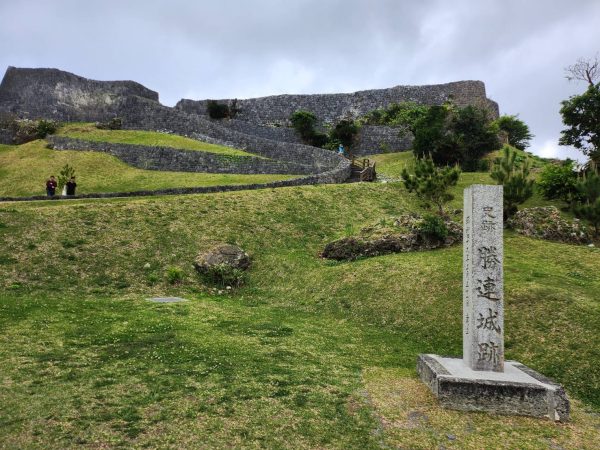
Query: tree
[(587, 70), (517, 130), (344, 132), (431, 183), (581, 114), (559, 181), (517, 185), (65, 175), (587, 207), (455, 136)]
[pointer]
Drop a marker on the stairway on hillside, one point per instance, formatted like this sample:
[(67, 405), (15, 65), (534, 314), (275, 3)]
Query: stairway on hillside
[(362, 170)]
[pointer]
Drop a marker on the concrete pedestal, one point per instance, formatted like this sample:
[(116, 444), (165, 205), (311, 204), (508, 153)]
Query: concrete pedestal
[(516, 390)]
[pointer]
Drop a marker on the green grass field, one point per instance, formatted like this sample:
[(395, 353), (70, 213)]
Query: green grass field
[(24, 170), (89, 132), (309, 354)]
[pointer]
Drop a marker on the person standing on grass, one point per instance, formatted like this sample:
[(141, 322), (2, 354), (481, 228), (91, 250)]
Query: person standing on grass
[(71, 185), (51, 186)]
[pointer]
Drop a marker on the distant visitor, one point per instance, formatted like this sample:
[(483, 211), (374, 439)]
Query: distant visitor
[(51, 186), (71, 185), (341, 150)]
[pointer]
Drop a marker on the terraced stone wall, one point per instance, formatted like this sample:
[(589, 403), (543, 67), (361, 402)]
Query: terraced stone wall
[(330, 108), (177, 160)]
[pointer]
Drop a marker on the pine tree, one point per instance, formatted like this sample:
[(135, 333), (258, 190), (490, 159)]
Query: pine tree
[(431, 183), (515, 179)]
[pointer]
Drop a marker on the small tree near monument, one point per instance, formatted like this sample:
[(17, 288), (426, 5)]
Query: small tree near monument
[(430, 182)]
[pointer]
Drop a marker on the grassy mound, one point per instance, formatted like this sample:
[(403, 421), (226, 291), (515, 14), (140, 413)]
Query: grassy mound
[(89, 132), (24, 170), (309, 354)]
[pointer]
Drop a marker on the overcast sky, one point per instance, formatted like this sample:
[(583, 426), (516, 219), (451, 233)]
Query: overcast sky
[(246, 48)]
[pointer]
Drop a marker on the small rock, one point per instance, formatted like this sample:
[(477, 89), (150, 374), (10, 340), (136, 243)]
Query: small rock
[(451, 437), (147, 266)]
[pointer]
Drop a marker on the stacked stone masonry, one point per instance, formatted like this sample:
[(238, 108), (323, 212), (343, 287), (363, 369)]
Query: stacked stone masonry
[(330, 108), (177, 160), (261, 126)]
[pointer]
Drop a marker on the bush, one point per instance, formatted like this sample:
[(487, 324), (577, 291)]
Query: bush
[(304, 124), (433, 227), (25, 130), (343, 133), (403, 115), (559, 181), (174, 275), (217, 110), (45, 127)]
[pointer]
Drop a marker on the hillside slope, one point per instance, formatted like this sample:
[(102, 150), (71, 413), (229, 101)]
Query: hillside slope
[(310, 353)]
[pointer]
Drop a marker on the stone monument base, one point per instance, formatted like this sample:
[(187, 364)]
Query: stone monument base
[(517, 390)]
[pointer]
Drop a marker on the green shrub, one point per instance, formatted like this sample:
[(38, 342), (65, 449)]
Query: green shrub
[(433, 226), (403, 115), (174, 275), (25, 130), (559, 181), (45, 127), (343, 132), (304, 124)]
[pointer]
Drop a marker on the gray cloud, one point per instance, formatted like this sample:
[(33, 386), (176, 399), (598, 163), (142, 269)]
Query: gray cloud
[(237, 48)]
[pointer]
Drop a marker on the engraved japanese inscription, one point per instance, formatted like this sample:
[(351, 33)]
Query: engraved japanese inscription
[(483, 308)]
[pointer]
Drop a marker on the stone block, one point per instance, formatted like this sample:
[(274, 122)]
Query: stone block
[(518, 390)]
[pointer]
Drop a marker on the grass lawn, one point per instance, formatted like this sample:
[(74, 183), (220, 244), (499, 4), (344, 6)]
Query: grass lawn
[(309, 354), (89, 132), (24, 170)]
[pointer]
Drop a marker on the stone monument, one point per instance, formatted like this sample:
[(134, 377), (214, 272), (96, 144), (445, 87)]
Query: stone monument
[(482, 380)]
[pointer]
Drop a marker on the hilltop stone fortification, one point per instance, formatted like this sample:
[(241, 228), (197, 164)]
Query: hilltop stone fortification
[(260, 127), (329, 108)]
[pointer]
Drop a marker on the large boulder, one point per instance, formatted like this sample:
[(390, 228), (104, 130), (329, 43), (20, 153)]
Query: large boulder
[(228, 255), (547, 223)]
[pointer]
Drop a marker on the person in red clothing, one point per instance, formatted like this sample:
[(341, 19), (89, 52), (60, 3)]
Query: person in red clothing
[(51, 186)]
